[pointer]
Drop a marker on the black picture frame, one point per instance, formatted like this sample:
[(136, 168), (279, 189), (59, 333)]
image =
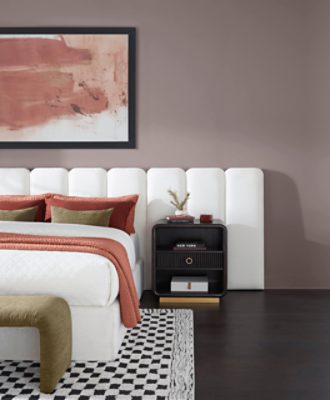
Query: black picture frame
[(131, 143)]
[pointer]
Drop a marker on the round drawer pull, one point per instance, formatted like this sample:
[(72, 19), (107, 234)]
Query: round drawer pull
[(189, 260)]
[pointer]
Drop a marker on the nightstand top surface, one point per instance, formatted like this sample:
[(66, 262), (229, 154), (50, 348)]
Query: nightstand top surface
[(215, 222)]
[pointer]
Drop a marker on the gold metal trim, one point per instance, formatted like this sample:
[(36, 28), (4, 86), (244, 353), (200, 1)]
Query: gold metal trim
[(189, 300), (189, 260)]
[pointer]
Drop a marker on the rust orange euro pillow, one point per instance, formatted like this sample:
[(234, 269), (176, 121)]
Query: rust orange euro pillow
[(122, 216), (18, 202)]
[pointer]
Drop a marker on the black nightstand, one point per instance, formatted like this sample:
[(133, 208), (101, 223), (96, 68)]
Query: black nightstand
[(210, 263)]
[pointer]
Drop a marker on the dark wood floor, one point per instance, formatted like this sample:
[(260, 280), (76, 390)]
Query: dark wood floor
[(262, 346)]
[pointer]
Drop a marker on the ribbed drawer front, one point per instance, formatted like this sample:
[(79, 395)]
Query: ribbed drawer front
[(183, 259)]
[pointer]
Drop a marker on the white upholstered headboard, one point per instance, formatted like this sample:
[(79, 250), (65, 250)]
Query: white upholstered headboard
[(235, 196)]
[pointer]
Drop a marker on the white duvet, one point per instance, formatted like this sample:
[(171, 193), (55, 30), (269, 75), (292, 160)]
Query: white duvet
[(80, 278)]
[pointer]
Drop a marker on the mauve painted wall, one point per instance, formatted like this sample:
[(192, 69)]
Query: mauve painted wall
[(228, 83)]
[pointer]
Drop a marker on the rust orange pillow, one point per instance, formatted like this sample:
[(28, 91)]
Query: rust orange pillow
[(122, 216), (18, 202)]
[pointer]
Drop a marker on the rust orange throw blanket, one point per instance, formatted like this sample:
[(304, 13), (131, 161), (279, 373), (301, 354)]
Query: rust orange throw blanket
[(112, 250)]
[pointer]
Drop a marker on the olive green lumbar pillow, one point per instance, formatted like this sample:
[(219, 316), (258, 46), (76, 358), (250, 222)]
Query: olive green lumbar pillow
[(23, 214), (62, 215)]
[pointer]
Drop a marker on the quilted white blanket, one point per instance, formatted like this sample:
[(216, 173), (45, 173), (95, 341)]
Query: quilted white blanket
[(80, 278)]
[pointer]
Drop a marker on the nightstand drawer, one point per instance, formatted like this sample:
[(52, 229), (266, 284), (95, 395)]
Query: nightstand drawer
[(189, 259)]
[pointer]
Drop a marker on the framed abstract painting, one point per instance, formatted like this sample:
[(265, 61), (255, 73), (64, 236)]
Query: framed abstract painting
[(67, 87)]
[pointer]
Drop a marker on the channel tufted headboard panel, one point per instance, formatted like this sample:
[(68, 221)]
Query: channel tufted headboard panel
[(234, 196)]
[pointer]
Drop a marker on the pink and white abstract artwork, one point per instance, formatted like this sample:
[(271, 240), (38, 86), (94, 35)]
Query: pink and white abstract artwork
[(67, 88)]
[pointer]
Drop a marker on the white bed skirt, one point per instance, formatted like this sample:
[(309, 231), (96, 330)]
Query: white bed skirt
[(97, 332)]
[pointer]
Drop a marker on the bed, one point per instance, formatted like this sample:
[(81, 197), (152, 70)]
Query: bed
[(235, 196), (97, 327)]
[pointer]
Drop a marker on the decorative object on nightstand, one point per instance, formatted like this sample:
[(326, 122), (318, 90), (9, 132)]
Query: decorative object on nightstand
[(182, 219), (189, 284), (178, 204), (189, 261), (188, 245), (206, 218)]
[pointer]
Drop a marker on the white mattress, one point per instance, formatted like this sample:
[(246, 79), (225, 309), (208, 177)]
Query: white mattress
[(81, 279)]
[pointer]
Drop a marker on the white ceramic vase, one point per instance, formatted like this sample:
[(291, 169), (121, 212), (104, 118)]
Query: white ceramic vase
[(180, 212)]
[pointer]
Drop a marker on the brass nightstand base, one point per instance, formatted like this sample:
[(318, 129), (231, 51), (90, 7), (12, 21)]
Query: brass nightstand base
[(213, 300)]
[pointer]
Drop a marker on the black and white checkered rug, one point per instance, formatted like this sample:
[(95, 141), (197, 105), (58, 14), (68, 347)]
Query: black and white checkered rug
[(155, 362)]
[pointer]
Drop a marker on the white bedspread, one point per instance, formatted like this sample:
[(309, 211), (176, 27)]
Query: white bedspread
[(80, 278)]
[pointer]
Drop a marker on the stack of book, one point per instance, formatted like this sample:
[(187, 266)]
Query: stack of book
[(189, 284), (185, 218), (189, 246)]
